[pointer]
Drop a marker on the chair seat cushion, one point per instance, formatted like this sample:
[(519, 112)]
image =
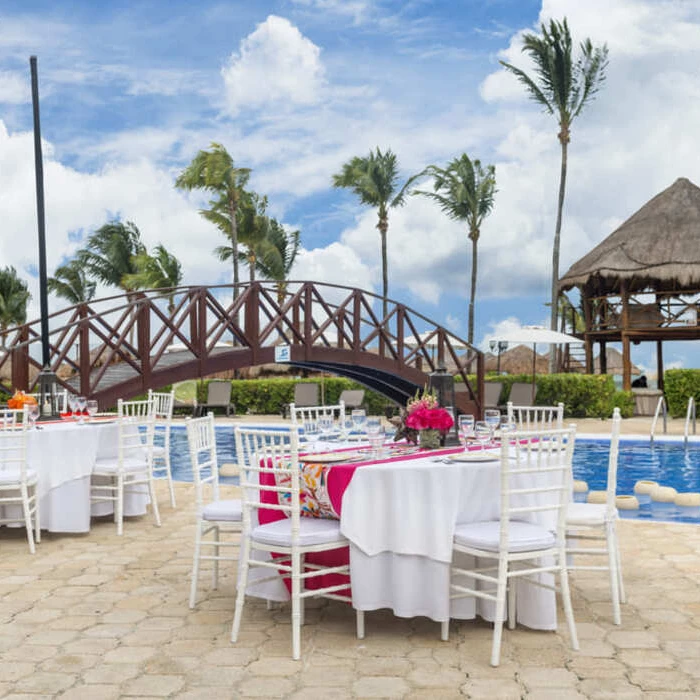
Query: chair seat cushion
[(228, 511), (111, 466), (586, 514), (311, 531), (12, 476), (522, 537)]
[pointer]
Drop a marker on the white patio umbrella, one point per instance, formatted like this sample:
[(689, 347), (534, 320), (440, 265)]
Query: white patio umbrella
[(534, 335)]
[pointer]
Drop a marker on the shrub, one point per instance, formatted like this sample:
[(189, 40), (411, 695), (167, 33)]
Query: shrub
[(679, 386)]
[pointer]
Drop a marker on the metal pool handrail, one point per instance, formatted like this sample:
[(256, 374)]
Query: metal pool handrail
[(689, 413), (660, 406)]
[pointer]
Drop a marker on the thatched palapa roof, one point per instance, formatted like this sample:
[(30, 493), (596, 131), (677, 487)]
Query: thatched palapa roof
[(659, 245)]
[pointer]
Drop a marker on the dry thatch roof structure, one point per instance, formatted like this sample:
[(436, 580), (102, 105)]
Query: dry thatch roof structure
[(657, 246), (517, 360), (614, 363)]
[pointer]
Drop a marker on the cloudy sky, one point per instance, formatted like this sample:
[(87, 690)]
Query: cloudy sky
[(130, 91)]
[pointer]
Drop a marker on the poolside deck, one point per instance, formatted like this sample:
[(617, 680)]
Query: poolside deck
[(99, 616)]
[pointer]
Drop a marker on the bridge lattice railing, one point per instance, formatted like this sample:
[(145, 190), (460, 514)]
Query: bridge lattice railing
[(145, 332)]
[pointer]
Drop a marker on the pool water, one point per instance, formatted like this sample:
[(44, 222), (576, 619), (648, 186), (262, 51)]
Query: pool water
[(668, 463)]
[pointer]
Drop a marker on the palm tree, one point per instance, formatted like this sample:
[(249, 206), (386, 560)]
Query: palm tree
[(161, 270), (214, 171), (14, 297), (465, 192), (563, 87), (277, 261), (252, 226), (375, 179), (110, 253), (71, 283)]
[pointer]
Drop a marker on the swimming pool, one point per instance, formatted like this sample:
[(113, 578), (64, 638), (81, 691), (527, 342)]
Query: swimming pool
[(670, 463)]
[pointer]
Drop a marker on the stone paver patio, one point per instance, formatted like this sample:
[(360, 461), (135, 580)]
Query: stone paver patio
[(98, 616)]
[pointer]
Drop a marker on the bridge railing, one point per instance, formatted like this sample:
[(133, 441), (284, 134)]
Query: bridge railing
[(141, 333)]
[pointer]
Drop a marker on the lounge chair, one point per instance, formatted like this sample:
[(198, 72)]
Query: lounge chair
[(522, 394), (186, 395), (492, 392), (218, 396), (352, 398), (305, 394)]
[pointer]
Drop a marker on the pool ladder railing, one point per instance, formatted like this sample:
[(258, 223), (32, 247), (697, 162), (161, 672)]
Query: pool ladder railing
[(689, 415), (660, 408)]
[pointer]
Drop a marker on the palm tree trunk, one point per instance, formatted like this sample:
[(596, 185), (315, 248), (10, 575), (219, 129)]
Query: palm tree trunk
[(251, 267), (472, 293), (383, 227), (234, 244), (564, 139)]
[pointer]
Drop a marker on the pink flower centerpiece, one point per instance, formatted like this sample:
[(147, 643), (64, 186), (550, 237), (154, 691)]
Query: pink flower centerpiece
[(424, 414)]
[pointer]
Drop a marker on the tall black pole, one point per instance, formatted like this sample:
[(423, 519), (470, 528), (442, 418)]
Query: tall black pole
[(39, 170)]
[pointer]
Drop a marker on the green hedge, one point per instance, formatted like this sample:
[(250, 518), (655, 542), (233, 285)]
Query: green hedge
[(269, 396), (583, 395), (679, 386)]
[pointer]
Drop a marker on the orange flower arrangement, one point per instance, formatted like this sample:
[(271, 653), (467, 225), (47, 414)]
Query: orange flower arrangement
[(20, 399)]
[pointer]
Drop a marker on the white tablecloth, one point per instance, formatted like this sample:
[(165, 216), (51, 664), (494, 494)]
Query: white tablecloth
[(400, 518), (63, 455)]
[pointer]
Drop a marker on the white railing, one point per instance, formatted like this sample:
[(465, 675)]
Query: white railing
[(689, 415), (660, 408)]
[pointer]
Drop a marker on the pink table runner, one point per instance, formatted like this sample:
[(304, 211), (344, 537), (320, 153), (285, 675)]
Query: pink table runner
[(324, 485)]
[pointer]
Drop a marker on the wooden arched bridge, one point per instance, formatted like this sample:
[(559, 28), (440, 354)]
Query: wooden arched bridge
[(122, 345)]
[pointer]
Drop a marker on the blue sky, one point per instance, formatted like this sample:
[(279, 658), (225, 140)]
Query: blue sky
[(131, 90)]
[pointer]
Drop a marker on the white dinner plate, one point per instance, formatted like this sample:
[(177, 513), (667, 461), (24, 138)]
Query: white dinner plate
[(329, 457), (475, 456)]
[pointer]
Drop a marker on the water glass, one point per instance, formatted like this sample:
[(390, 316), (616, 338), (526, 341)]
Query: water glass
[(311, 433), (71, 403), (91, 409), (373, 426), (492, 417), (358, 417), (80, 404), (376, 443), (33, 415), (465, 425), (482, 432), (325, 426)]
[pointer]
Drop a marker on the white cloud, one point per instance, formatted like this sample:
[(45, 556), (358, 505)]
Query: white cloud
[(14, 89), (275, 64), (358, 10)]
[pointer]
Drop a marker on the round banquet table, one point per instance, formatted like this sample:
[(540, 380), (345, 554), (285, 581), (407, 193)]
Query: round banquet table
[(63, 455), (399, 515)]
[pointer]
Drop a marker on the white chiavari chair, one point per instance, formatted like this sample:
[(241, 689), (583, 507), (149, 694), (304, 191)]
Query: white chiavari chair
[(18, 483), (596, 523), (531, 418), (164, 403), (132, 467), (529, 539), (271, 481), (214, 515)]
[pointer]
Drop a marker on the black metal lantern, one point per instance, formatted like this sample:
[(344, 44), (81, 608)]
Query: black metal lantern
[(442, 384)]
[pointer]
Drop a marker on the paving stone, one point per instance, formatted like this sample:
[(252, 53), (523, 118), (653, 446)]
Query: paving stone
[(380, 687), (489, 689), (659, 679), (547, 677), (154, 685), (92, 692), (45, 682), (270, 687)]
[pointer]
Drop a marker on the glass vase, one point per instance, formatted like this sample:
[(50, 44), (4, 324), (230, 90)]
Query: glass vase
[(429, 439)]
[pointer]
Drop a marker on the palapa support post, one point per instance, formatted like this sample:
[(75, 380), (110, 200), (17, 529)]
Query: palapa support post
[(626, 360), (659, 365)]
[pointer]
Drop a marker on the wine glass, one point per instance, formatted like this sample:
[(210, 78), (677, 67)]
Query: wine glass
[(33, 415), (375, 435), (80, 404), (359, 418), (91, 408), (311, 433), (465, 428), (492, 418), (325, 426), (71, 404), (482, 432)]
